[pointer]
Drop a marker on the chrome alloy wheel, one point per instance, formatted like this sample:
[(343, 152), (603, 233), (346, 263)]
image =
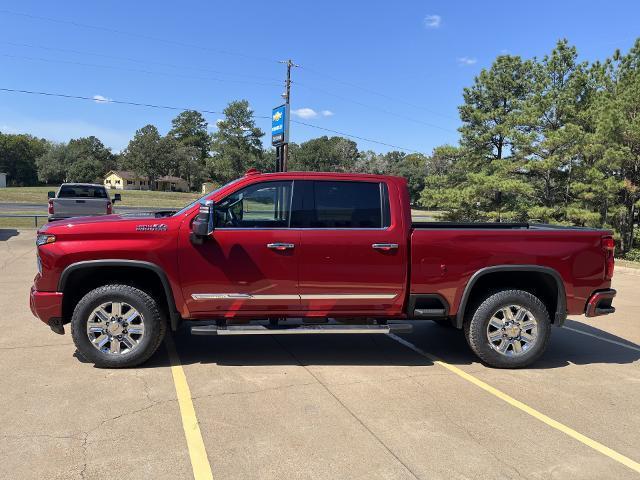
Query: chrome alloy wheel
[(115, 328), (512, 330)]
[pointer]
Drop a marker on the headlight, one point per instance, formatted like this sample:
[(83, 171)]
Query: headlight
[(43, 239)]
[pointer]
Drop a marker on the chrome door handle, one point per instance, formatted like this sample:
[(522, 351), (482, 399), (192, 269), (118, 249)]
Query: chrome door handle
[(280, 246), (385, 247)]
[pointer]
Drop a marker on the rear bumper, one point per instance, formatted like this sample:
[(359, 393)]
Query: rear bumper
[(600, 303), (47, 306)]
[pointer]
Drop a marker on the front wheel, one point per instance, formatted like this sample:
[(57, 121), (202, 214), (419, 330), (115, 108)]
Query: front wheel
[(117, 326), (509, 329)]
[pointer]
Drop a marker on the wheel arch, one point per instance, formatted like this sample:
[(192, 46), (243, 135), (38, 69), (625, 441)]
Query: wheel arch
[(545, 278), (76, 271)]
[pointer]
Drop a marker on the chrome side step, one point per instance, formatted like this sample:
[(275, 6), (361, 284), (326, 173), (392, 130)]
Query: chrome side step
[(299, 330)]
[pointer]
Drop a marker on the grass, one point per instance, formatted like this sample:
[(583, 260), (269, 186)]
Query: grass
[(130, 198)]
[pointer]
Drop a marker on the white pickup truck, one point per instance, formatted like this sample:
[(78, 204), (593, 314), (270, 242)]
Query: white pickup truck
[(80, 200)]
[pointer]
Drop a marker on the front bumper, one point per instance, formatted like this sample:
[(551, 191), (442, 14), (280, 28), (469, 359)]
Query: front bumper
[(47, 306), (600, 303)]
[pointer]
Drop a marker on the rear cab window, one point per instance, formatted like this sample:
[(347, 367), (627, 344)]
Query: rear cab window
[(82, 191), (321, 204)]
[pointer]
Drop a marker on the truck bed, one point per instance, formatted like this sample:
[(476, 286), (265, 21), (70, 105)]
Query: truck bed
[(496, 226), (445, 255)]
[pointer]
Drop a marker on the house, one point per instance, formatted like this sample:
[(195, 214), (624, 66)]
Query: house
[(3, 180), (125, 180), (169, 183), (129, 180)]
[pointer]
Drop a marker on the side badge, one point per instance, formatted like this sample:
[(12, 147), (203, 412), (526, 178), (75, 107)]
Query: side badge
[(152, 227)]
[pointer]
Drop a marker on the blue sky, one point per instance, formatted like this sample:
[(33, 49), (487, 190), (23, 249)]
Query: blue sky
[(389, 71)]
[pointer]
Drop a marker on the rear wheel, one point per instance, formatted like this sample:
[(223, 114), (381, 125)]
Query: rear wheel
[(117, 326), (509, 329)]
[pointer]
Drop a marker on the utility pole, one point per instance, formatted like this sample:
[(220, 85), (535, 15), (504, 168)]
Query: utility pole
[(283, 150)]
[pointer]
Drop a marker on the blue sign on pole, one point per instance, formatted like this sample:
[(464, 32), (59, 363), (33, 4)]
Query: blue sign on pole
[(279, 124)]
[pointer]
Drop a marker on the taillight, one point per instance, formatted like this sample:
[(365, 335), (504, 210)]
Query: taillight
[(609, 247), (50, 206), (109, 208)]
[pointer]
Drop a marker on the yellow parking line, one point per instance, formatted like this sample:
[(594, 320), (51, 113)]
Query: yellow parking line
[(195, 445), (620, 344), (597, 446)]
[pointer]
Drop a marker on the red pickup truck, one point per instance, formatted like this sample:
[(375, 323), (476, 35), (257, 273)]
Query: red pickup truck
[(313, 252)]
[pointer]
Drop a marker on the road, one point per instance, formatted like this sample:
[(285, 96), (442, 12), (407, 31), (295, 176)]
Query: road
[(317, 407), (37, 208)]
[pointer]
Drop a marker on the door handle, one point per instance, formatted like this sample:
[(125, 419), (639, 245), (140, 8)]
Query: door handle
[(280, 246), (385, 247)]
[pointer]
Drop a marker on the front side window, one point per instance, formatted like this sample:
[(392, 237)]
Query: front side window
[(262, 205)]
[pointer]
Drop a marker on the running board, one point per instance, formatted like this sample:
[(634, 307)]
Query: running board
[(299, 330)]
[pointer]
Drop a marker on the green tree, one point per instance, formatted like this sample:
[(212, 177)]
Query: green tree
[(190, 129), (18, 155), (325, 154), (554, 118), (81, 160), (53, 163), (236, 146), (493, 107), (616, 141), (485, 182), (146, 154), (413, 167)]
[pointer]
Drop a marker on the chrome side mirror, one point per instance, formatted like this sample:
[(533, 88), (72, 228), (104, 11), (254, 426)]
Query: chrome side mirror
[(203, 224)]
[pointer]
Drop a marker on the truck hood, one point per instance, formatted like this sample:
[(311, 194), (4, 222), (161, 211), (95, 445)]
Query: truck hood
[(106, 222)]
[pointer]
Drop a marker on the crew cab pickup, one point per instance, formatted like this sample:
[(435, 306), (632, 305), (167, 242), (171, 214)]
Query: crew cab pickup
[(307, 252), (80, 199)]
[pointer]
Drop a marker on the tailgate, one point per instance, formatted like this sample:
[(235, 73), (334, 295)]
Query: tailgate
[(76, 207)]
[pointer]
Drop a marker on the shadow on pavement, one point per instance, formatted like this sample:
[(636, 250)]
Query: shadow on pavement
[(379, 350), (7, 233)]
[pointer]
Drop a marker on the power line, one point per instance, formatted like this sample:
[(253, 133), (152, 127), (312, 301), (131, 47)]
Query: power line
[(134, 34), (383, 110), (139, 61), (379, 94), (214, 112), (254, 57), (119, 102), (138, 70), (356, 137)]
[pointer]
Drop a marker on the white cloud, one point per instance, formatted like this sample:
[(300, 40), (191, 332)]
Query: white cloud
[(432, 21), (101, 99), (466, 61), (305, 113)]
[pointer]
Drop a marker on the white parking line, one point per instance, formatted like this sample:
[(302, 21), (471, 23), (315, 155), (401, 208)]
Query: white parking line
[(589, 442), (620, 344)]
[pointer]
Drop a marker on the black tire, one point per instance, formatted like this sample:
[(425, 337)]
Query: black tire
[(476, 324), (155, 325)]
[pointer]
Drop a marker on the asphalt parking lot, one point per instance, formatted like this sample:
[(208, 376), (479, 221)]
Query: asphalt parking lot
[(350, 407)]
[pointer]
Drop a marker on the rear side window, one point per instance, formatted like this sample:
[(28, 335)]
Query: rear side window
[(82, 191), (328, 204)]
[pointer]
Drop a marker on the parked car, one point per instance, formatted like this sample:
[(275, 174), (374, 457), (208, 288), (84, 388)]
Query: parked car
[(327, 252), (79, 200)]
